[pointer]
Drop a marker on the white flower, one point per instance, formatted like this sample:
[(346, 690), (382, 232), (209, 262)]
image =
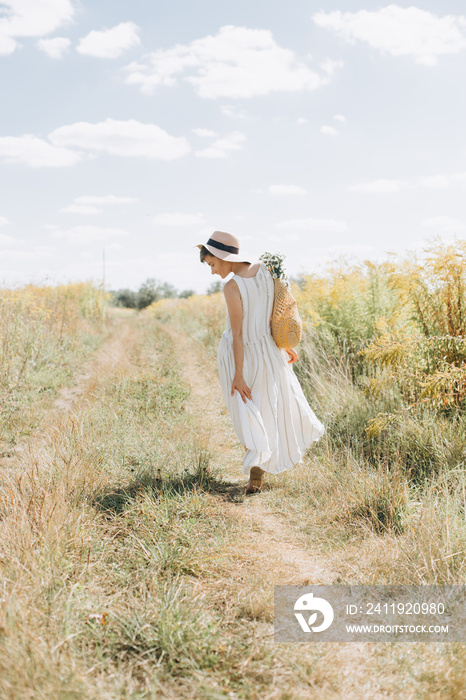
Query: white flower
[(274, 262)]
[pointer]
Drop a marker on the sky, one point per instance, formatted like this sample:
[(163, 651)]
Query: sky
[(129, 132)]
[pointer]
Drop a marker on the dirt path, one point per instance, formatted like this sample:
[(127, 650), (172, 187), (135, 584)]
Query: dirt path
[(273, 553), (275, 543)]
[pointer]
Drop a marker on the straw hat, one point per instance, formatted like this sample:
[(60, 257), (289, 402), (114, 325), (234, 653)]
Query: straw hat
[(224, 246)]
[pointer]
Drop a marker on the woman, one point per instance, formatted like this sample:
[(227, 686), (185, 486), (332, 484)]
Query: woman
[(270, 414)]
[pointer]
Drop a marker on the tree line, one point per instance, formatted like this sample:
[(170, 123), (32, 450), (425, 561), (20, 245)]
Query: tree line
[(154, 290)]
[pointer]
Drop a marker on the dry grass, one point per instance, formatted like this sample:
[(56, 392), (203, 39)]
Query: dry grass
[(202, 317), (120, 573), (131, 567), (334, 520), (370, 524), (46, 333)]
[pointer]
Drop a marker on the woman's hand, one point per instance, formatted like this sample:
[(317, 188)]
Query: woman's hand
[(292, 355), (241, 387)]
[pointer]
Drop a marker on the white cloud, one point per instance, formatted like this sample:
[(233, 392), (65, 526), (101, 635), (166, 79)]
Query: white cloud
[(121, 138), (233, 111), (379, 186), (28, 18), (23, 255), (400, 31), (330, 67), (178, 219), (89, 234), (207, 133), (236, 62), (301, 120), (327, 225), (5, 240), (104, 200), (7, 45), (437, 182), (444, 223), (282, 190), (328, 130), (222, 148), (110, 43), (33, 151), (86, 205), (56, 47), (34, 17), (340, 118), (129, 139), (81, 209), (282, 237), (114, 246)]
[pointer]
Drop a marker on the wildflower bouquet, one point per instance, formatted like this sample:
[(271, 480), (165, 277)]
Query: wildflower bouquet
[(274, 262)]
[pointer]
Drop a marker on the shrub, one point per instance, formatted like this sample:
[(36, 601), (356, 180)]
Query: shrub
[(346, 306)]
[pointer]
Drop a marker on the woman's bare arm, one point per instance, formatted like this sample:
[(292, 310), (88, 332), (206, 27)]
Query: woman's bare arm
[(235, 312)]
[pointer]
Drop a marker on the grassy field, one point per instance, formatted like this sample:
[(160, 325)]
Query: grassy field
[(133, 566), (46, 334)]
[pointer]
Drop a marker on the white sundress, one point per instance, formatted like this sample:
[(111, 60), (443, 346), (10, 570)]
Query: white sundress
[(277, 426)]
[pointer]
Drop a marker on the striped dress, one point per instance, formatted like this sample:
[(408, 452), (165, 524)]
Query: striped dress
[(277, 426)]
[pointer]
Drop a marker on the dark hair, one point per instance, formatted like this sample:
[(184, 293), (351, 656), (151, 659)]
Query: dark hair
[(203, 252)]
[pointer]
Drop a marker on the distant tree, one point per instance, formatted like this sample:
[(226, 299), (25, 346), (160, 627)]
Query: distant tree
[(167, 291), (151, 290), (124, 297), (186, 293), (215, 287), (148, 292)]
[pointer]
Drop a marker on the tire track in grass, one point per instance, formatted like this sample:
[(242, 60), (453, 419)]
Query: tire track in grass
[(274, 539), (271, 553)]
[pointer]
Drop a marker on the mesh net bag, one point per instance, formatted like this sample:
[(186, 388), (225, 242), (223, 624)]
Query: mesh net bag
[(286, 323)]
